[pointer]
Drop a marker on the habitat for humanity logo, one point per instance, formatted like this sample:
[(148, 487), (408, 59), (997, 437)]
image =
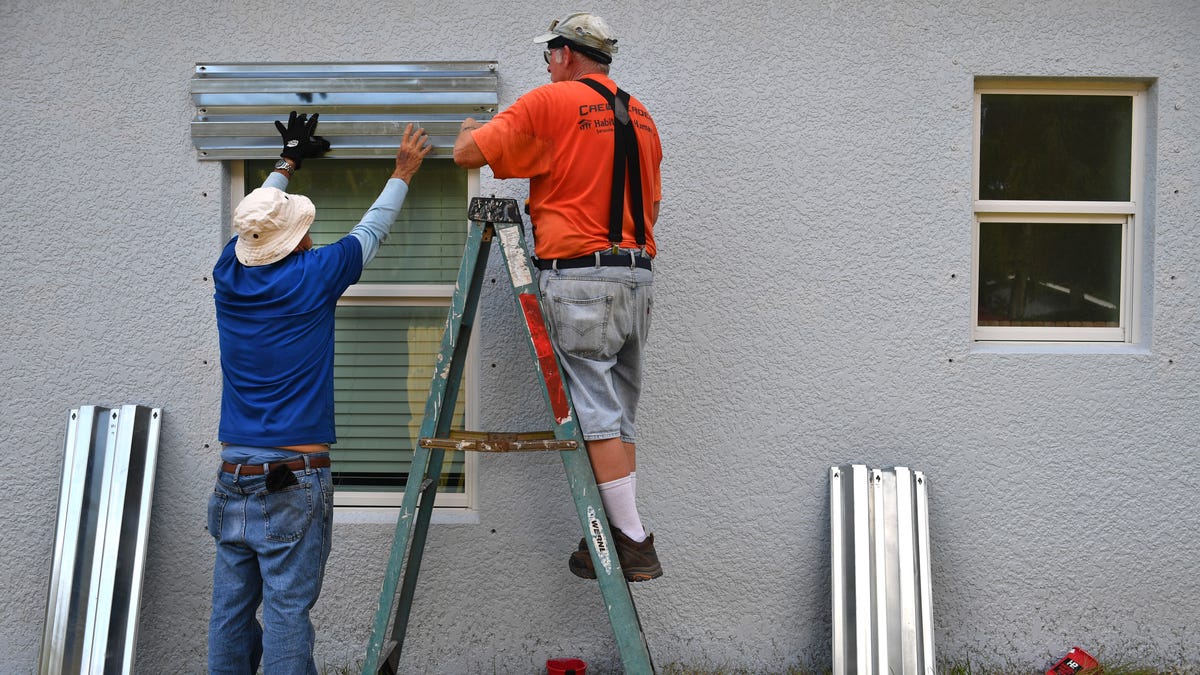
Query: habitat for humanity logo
[(606, 123)]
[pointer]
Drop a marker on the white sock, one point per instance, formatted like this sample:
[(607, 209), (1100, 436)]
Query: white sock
[(617, 496), (633, 484)]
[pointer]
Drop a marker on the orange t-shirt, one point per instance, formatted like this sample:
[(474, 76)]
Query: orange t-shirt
[(560, 137)]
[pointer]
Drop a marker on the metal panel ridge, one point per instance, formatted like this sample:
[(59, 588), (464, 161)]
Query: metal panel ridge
[(381, 68), (138, 431), (63, 632)]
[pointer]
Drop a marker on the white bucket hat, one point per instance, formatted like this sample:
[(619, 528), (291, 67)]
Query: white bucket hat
[(269, 224)]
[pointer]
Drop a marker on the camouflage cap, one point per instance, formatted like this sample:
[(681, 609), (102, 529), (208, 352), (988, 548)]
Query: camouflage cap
[(586, 30)]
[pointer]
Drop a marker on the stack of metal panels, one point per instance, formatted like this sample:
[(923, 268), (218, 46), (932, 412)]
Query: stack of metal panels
[(100, 546), (364, 107), (882, 596)]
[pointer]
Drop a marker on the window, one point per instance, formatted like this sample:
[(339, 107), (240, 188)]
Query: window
[(1057, 198), (390, 324)]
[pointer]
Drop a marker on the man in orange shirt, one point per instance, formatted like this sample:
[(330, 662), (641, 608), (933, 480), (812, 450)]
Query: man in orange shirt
[(591, 153)]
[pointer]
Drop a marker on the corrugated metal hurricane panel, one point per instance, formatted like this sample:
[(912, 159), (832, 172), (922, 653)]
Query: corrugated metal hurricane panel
[(364, 106), (100, 546), (62, 633), (880, 582)]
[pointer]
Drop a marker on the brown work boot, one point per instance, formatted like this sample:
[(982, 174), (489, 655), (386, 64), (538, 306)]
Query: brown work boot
[(639, 560)]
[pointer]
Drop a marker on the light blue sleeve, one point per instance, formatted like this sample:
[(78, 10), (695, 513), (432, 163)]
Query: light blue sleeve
[(375, 225), (276, 180)]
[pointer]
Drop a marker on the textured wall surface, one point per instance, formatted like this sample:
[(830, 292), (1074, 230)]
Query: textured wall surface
[(813, 308)]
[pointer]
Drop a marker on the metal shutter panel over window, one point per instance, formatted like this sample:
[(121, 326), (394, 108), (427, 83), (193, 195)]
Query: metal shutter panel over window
[(364, 107)]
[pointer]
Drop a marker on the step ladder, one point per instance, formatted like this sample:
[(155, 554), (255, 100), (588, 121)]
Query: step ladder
[(489, 218)]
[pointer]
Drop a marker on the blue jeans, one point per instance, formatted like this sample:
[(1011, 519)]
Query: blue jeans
[(600, 320), (271, 550)]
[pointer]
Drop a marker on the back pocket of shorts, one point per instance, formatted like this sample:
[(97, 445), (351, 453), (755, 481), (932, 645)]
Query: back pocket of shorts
[(581, 324)]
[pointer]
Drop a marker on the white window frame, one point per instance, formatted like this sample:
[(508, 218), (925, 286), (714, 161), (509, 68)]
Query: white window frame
[(1126, 213), (407, 295)]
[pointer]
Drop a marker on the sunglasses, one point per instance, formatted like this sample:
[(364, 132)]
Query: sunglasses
[(556, 43)]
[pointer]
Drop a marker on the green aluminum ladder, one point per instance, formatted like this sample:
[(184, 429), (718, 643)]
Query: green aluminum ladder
[(489, 218)]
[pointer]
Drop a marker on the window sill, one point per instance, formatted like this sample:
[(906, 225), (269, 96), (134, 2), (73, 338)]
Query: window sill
[(363, 515), (1058, 348)]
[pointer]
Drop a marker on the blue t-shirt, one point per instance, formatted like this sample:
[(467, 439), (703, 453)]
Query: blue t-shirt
[(275, 324)]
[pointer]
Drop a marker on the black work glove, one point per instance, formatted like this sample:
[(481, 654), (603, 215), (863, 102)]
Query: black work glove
[(298, 139)]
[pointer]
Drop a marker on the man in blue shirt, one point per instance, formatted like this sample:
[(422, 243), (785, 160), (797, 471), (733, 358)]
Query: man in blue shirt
[(271, 511)]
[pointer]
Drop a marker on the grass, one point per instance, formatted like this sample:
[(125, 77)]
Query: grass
[(947, 669), (670, 669), (966, 668)]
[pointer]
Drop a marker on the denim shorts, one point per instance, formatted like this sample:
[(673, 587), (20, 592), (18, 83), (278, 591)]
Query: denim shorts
[(599, 320)]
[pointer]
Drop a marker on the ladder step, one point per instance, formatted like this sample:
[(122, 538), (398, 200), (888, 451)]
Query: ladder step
[(494, 441)]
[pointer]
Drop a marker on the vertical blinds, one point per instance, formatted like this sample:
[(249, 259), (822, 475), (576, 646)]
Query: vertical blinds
[(385, 351), (364, 106)]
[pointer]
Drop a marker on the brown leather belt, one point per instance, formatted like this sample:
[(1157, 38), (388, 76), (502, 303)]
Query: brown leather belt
[(294, 464)]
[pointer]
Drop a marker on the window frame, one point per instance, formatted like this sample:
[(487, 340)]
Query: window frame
[(406, 295), (1127, 213)]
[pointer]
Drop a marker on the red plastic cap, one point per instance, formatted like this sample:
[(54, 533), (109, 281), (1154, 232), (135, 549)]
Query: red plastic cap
[(566, 667), (1075, 661)]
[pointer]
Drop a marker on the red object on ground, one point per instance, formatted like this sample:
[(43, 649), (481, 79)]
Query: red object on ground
[(1075, 661), (566, 667)]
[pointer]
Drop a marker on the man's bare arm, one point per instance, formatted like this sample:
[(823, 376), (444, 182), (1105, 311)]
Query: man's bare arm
[(466, 153)]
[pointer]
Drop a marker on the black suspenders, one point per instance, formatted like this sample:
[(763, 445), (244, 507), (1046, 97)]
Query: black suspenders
[(625, 153)]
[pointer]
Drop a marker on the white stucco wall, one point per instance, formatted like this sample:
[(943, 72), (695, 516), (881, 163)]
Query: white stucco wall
[(813, 308)]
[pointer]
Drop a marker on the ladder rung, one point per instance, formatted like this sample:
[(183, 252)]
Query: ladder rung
[(492, 441), (494, 210)]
